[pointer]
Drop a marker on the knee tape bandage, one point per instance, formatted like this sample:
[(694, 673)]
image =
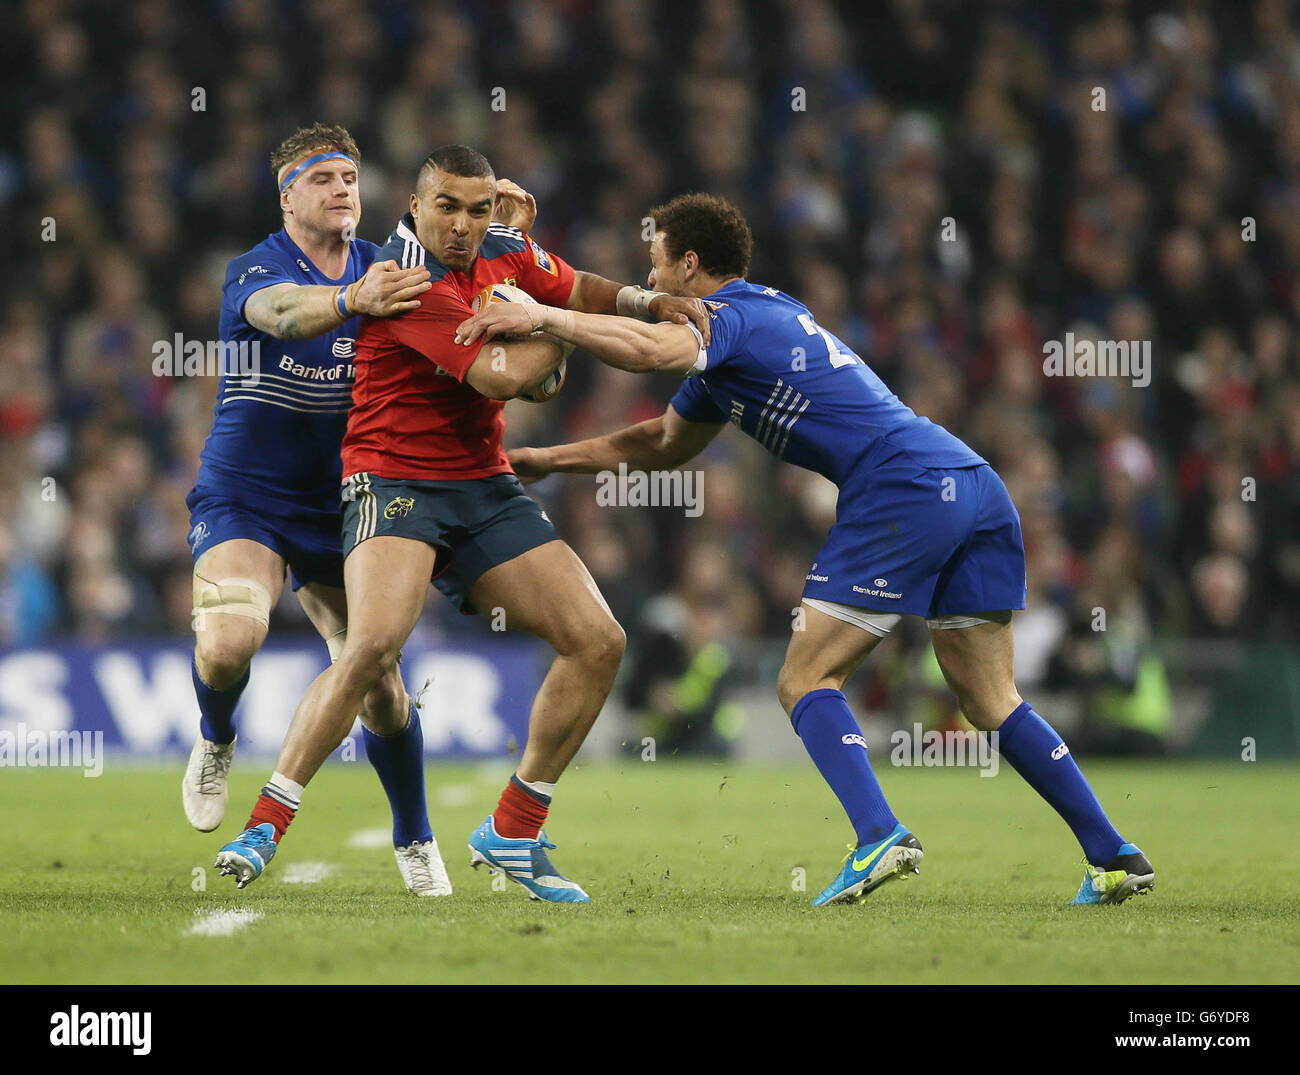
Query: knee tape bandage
[(232, 597), (335, 644)]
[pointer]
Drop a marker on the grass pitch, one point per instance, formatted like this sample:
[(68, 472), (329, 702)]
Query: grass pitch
[(694, 870)]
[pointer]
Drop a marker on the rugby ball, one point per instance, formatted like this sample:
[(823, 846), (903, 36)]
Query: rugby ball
[(550, 387)]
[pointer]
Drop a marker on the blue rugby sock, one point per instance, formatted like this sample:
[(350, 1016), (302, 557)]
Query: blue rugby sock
[(217, 708), (1039, 755), (830, 734), (399, 761)]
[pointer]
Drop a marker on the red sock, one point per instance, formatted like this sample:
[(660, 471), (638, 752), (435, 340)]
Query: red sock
[(268, 810), (519, 814)]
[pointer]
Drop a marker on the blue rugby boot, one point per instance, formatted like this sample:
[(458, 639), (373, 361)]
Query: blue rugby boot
[(1127, 874), (524, 861), (868, 867), (247, 855)]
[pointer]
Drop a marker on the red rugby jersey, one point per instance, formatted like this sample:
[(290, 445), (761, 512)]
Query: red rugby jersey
[(413, 416)]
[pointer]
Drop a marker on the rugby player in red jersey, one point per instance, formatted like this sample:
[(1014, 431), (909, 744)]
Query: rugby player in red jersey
[(429, 493), (265, 505)]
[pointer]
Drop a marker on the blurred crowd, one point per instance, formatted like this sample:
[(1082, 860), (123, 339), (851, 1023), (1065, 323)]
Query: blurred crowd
[(946, 185)]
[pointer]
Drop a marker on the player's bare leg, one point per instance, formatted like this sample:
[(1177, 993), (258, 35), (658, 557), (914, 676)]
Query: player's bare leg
[(386, 580), (588, 644), (394, 746), (225, 642), (384, 708), (821, 657), (977, 662), (236, 583), (822, 654), (587, 640)]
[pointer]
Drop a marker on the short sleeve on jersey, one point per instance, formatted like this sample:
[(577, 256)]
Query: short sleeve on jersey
[(545, 277), (249, 273), (694, 403), (726, 332), (431, 330)]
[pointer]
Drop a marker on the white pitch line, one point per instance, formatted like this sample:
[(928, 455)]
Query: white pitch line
[(371, 838), (306, 873), (221, 923)]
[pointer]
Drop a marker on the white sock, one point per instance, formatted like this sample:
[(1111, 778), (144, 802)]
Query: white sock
[(290, 790), (542, 787)]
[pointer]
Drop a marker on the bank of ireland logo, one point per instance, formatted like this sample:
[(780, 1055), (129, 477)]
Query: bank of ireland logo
[(399, 505), (541, 257), (880, 582), (198, 535), (344, 347)]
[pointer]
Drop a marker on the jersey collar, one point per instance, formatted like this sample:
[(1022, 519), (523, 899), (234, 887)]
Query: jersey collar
[(307, 265), (414, 252)]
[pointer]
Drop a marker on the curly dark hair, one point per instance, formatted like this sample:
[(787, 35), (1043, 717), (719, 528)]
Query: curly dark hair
[(317, 136), (711, 226)]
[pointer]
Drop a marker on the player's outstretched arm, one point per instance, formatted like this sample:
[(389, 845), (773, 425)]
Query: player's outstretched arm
[(622, 342), (594, 294), (660, 444), (303, 311)]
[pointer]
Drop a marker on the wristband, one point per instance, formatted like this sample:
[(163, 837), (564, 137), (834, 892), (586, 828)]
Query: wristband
[(341, 302), (563, 322), (634, 301)]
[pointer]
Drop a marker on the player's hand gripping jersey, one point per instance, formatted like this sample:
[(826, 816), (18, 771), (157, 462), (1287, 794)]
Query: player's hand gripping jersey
[(923, 525), (413, 415)]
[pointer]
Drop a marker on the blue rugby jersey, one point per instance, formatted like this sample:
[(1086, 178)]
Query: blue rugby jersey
[(801, 392), (275, 436)]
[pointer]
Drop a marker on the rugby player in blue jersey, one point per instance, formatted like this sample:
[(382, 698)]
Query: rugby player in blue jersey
[(924, 526), (266, 498)]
